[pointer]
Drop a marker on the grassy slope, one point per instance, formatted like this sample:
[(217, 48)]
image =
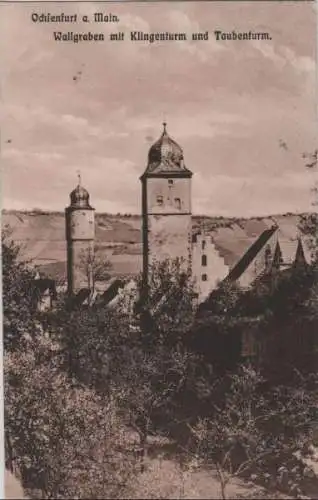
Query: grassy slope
[(42, 236)]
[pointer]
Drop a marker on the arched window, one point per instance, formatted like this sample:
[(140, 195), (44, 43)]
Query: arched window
[(177, 202), (204, 277), (203, 244), (204, 260)]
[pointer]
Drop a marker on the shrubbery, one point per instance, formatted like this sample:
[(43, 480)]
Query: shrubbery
[(78, 381), (63, 439)]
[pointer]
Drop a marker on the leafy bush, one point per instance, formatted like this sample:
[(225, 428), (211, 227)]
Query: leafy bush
[(62, 438), (257, 434)]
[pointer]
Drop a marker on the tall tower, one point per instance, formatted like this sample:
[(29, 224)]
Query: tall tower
[(166, 204), (80, 233)]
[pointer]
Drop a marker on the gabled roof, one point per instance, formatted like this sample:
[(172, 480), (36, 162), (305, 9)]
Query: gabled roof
[(112, 291), (250, 255), (81, 296)]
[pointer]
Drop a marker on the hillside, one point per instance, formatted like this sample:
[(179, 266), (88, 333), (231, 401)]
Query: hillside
[(118, 237)]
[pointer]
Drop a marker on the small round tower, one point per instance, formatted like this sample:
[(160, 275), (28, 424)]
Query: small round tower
[(80, 235)]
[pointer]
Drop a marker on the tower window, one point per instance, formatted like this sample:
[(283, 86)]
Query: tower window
[(203, 244), (204, 277), (159, 200), (170, 181), (204, 260), (177, 202)]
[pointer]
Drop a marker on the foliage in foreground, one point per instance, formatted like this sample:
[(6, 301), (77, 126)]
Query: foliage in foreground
[(62, 438), (150, 370), (71, 390), (258, 434), (65, 439)]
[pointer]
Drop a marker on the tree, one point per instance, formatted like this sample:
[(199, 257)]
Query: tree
[(66, 440), (168, 301), (256, 434), (309, 222), (93, 340), (148, 365), (17, 299), (110, 358), (219, 326), (62, 438), (95, 266), (154, 381)]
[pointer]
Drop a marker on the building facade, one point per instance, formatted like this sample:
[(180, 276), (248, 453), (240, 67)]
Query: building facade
[(80, 234), (167, 231), (167, 219), (166, 205), (208, 267)]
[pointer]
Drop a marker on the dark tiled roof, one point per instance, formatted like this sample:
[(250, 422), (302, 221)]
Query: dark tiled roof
[(79, 198), (39, 286), (166, 157), (81, 296), (250, 255), (112, 291)]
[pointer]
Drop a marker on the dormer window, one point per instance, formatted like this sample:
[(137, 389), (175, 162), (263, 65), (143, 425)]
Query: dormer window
[(159, 200)]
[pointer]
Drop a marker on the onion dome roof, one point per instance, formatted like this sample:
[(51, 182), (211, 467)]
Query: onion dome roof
[(166, 157), (79, 196)]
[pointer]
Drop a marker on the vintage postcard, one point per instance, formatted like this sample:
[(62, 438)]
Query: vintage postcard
[(159, 249)]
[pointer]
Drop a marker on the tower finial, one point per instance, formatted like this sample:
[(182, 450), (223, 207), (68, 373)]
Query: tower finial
[(79, 177)]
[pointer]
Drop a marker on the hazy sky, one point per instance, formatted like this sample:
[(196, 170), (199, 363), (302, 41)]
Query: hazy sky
[(243, 112)]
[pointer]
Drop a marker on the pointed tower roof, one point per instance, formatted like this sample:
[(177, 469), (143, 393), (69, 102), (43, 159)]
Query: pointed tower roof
[(300, 259), (277, 258), (165, 157)]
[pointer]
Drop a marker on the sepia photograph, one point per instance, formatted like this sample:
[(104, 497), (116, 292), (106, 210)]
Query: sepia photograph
[(159, 249)]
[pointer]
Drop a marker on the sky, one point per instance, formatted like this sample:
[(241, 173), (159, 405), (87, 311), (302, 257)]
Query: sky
[(244, 112)]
